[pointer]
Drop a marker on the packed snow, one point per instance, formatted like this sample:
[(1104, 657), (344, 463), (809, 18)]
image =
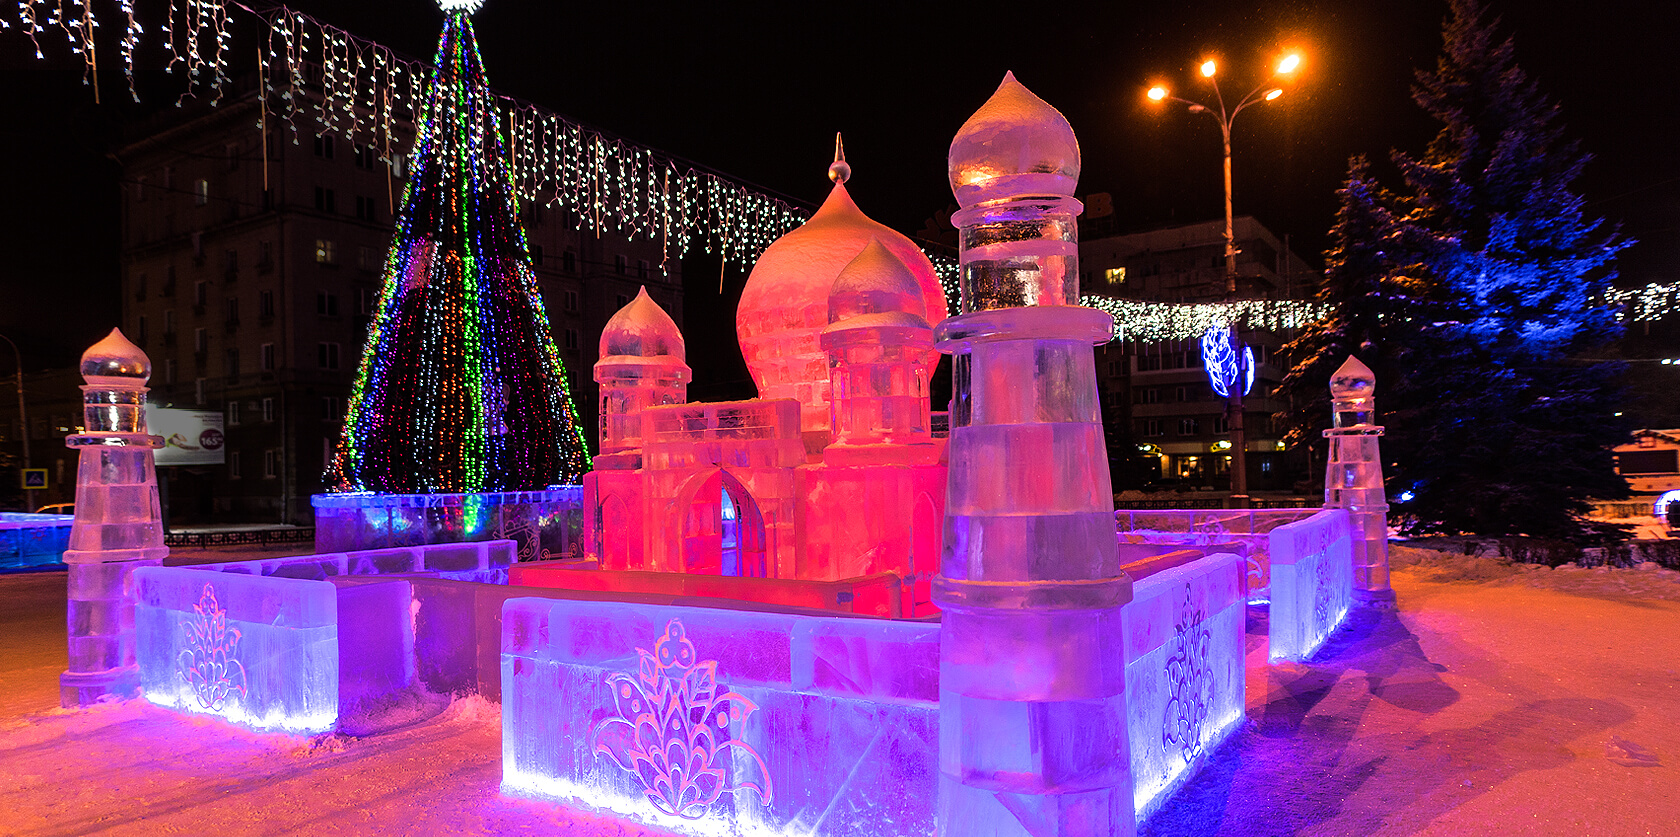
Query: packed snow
[(1498, 699)]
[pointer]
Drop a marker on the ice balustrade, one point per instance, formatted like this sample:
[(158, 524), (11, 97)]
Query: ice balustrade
[(880, 594), (545, 524), (1312, 583), (719, 722), (301, 644), (1249, 528), (33, 540)]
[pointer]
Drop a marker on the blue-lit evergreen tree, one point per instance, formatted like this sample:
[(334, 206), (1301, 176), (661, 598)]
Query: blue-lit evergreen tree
[(1499, 421)]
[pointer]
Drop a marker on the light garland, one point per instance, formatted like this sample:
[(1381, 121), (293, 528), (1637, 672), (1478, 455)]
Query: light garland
[(461, 388), (1225, 367), (370, 96)]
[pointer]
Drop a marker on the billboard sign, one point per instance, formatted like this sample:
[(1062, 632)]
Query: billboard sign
[(190, 437)]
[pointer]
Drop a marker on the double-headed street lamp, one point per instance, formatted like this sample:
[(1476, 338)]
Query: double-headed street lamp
[(1266, 91)]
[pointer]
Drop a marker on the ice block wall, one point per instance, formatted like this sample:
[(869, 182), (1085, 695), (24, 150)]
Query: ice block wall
[(305, 643), (1185, 681), (1032, 703), (260, 652), (706, 721), (1312, 583), (1206, 527), (33, 540)]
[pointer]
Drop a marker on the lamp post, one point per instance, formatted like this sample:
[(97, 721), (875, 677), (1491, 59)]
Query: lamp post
[(23, 421), (1266, 91)]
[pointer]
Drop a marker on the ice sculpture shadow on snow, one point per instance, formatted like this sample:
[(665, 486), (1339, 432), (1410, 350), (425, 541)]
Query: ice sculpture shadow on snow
[(673, 729)]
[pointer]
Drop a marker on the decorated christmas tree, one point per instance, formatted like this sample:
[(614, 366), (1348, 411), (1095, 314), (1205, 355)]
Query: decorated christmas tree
[(461, 387)]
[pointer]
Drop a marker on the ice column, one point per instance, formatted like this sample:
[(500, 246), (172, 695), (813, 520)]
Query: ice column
[(1032, 714), (118, 524), (1353, 477)]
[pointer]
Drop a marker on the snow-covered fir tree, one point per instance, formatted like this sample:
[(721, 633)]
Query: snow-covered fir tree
[(1487, 280)]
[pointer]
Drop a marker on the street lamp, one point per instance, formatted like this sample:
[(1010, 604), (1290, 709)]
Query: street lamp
[(23, 420), (1266, 91)]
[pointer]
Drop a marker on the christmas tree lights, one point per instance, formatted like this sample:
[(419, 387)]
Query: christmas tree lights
[(461, 388)]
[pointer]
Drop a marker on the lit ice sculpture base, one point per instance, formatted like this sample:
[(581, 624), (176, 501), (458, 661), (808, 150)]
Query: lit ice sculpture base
[(715, 722), (1312, 583)]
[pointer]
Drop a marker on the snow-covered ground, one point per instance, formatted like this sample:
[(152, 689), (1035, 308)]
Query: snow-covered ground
[(1497, 700)]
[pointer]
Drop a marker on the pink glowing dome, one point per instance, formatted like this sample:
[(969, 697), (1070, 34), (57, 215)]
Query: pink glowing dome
[(1014, 145), (784, 306), (642, 329)]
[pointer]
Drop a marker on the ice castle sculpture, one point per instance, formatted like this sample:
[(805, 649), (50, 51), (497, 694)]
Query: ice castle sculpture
[(1353, 477), (118, 526), (833, 473), (1032, 704)]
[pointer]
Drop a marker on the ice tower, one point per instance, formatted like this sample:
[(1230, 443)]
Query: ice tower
[(1032, 712), (1353, 477), (118, 523)]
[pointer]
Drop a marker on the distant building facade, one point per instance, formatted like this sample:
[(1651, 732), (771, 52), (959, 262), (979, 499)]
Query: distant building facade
[(1166, 426), (252, 268)]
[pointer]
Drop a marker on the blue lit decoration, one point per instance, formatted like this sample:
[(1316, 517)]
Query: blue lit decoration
[(461, 388), (1665, 502), (1224, 365)]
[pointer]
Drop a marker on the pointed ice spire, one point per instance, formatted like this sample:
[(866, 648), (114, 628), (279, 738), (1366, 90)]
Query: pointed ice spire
[(840, 172), (1015, 144)]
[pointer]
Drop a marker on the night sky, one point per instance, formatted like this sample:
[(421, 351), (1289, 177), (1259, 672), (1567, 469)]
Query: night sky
[(758, 94)]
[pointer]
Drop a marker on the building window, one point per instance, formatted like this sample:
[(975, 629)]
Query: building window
[(324, 146), (572, 340), (1188, 427), (265, 256), (271, 464), (1148, 363), (140, 285), (1221, 424), (168, 325), (201, 192), (621, 265), (326, 355), (201, 340), (537, 255), (233, 311), (233, 465), (169, 370), (198, 391), (366, 300), (140, 190), (641, 268), (1152, 427), (325, 200), (1115, 275), (268, 409), (233, 156), (1149, 395), (326, 304), (325, 251), (366, 156), (201, 293), (571, 300), (364, 209), (140, 330), (232, 356), (568, 261), (1183, 394), (268, 357), (367, 258), (265, 303), (232, 412), (623, 301), (332, 408)]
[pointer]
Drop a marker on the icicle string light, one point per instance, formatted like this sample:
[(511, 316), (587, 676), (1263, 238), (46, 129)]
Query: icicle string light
[(461, 388)]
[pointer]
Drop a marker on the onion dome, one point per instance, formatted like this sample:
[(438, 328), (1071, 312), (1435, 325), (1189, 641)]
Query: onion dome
[(114, 361), (1352, 380), (876, 288), (642, 329), (784, 306), (1014, 145)]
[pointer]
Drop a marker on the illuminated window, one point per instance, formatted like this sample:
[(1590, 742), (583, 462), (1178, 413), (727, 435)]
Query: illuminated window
[(325, 252), (1115, 275), (201, 193), (232, 413)]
